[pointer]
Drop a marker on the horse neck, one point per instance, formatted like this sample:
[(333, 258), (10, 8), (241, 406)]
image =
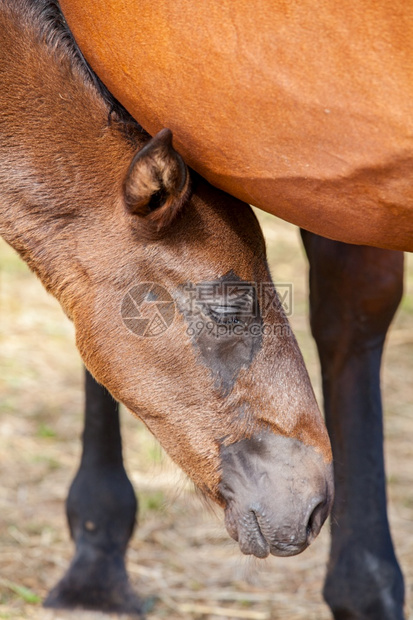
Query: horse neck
[(61, 162)]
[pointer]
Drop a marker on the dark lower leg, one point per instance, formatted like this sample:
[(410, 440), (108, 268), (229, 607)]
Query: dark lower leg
[(354, 292), (101, 510)]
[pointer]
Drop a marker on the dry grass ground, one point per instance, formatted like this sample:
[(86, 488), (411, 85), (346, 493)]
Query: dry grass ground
[(181, 559)]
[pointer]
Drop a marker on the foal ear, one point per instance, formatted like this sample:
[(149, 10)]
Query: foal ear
[(157, 182)]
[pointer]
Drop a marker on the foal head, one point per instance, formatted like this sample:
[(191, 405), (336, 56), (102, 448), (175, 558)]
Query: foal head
[(182, 323)]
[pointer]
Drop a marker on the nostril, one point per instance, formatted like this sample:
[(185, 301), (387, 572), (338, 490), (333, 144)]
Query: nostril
[(316, 520), (226, 491)]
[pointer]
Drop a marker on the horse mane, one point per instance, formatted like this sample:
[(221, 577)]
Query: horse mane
[(54, 31)]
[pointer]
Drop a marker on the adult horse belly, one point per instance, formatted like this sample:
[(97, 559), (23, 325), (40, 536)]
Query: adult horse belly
[(302, 109)]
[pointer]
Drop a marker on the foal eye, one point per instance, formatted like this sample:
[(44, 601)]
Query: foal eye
[(225, 314)]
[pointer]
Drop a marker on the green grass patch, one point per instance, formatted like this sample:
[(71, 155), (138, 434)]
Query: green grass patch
[(50, 462), (45, 431), (23, 593), (151, 501)]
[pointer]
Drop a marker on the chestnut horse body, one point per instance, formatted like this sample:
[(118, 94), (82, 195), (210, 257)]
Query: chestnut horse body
[(303, 111)]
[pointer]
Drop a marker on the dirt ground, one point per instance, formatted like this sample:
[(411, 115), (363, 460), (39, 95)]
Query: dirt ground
[(181, 560)]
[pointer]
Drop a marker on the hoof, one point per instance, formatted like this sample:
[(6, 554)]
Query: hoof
[(363, 586), (98, 585)]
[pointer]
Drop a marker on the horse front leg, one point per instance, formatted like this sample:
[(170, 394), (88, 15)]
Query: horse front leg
[(101, 510), (354, 293)]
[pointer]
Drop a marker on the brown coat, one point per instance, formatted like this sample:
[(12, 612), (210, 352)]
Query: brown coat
[(302, 109)]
